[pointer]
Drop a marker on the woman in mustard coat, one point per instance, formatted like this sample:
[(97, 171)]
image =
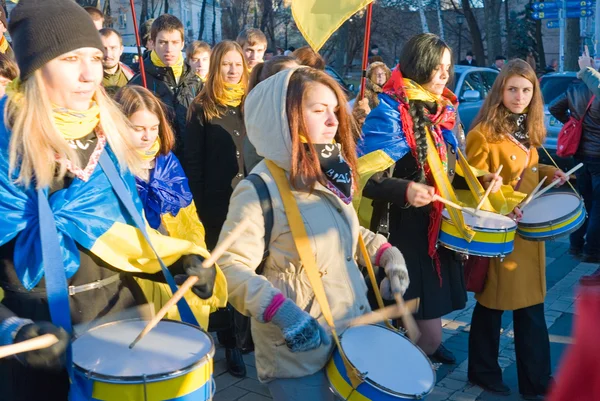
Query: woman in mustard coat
[(507, 132)]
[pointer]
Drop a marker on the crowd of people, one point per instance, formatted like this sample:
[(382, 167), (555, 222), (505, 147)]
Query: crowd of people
[(190, 148)]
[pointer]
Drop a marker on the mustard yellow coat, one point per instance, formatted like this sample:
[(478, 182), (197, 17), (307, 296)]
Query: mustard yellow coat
[(519, 280)]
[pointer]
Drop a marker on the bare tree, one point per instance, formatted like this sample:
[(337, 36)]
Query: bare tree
[(166, 6), (475, 32), (493, 29), (144, 12), (202, 13), (572, 44), (214, 24)]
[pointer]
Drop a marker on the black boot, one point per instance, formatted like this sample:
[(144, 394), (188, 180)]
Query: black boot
[(235, 363), (498, 388), (443, 355)]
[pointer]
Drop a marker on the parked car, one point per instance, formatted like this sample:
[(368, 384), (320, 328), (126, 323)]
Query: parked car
[(348, 89), (552, 85), (471, 85)]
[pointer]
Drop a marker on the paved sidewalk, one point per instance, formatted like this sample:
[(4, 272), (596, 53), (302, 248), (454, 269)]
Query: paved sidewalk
[(562, 272)]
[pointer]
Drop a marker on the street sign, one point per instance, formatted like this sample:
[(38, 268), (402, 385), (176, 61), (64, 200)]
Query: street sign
[(555, 5), (554, 24), (553, 14)]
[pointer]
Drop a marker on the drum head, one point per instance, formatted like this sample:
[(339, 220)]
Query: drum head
[(550, 207), (389, 359), (169, 347), (486, 220)]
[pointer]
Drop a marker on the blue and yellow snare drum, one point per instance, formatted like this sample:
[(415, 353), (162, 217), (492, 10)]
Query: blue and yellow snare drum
[(393, 367), (494, 234), (172, 362), (551, 216)]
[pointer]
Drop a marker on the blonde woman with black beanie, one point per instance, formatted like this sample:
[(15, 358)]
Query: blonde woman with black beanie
[(64, 147)]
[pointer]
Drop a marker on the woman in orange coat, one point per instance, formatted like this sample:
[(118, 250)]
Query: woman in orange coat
[(507, 131)]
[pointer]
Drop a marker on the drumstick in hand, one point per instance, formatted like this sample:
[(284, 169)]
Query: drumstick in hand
[(532, 194), (407, 318), (488, 190), (189, 283), (380, 315), (447, 202), (43, 341), (555, 182)]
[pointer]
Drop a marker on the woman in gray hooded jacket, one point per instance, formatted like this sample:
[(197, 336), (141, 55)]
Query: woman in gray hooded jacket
[(308, 136)]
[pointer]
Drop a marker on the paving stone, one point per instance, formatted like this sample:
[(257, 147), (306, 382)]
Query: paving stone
[(249, 359), (229, 394), (253, 385), (225, 380), (254, 397), (504, 362), (461, 396), (452, 384), (471, 389), (458, 375), (439, 394)]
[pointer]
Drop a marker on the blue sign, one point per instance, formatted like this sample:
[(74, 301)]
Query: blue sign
[(553, 14), (555, 5), (553, 24)]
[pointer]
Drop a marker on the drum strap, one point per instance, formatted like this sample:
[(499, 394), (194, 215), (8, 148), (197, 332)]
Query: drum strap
[(443, 185), (556, 165), (307, 258)]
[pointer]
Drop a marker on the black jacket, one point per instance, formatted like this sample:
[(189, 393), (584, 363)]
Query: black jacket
[(177, 96), (214, 164), (573, 103)]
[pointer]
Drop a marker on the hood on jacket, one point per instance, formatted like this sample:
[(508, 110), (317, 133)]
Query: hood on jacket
[(266, 119)]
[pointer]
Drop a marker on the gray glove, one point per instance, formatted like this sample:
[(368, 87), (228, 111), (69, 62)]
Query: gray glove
[(192, 264), (301, 331), (393, 264)]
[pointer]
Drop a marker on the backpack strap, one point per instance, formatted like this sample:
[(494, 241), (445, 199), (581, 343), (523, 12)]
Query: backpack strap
[(264, 197)]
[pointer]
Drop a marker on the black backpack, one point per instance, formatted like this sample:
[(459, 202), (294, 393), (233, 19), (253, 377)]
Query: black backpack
[(242, 323)]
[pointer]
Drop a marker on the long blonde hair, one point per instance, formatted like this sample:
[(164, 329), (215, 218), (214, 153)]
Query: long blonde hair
[(37, 146)]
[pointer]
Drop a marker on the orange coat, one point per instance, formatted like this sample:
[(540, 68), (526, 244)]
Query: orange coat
[(519, 280)]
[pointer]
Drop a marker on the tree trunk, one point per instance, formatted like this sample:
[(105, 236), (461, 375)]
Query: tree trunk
[(439, 16), (493, 28), (475, 32), (202, 14), (424, 25), (572, 44), (214, 24), (144, 12), (108, 22), (507, 24), (166, 7), (341, 48), (540, 44)]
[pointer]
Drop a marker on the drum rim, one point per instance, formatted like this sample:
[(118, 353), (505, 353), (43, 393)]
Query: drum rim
[(466, 252), (385, 389), (150, 378), (555, 221), (485, 229), (550, 237)]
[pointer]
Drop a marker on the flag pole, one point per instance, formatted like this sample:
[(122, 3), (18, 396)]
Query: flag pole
[(138, 43), (365, 59)]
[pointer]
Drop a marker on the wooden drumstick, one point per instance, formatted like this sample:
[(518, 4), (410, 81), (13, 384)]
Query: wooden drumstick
[(43, 341), (189, 283), (488, 190), (380, 315), (447, 202), (532, 194), (555, 182), (407, 318)]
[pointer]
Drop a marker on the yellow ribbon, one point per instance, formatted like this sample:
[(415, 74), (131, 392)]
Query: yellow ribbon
[(150, 154), (306, 253), (75, 124), (442, 183), (3, 44), (233, 94), (177, 68)]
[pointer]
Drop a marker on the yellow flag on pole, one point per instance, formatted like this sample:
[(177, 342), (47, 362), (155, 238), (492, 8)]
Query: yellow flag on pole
[(317, 20)]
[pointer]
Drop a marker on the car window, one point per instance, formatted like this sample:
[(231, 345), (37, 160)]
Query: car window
[(552, 86), (452, 83), (488, 78), (473, 82)]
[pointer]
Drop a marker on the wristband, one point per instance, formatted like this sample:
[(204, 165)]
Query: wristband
[(9, 328), (380, 252), (273, 307)]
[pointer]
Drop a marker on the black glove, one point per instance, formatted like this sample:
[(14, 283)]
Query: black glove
[(192, 264), (50, 358)]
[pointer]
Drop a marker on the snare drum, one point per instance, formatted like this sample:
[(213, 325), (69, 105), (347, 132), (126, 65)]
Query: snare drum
[(172, 362), (551, 216), (494, 234), (393, 367)]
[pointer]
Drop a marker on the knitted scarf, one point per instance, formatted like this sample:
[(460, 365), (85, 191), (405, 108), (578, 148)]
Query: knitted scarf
[(75, 124), (232, 95), (177, 68), (442, 116)]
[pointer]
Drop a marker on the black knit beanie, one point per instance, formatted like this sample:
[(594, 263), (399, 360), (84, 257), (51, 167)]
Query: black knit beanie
[(42, 30)]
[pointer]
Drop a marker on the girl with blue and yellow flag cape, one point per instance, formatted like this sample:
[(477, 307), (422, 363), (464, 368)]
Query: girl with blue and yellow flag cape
[(163, 187), (72, 237), (411, 144)]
